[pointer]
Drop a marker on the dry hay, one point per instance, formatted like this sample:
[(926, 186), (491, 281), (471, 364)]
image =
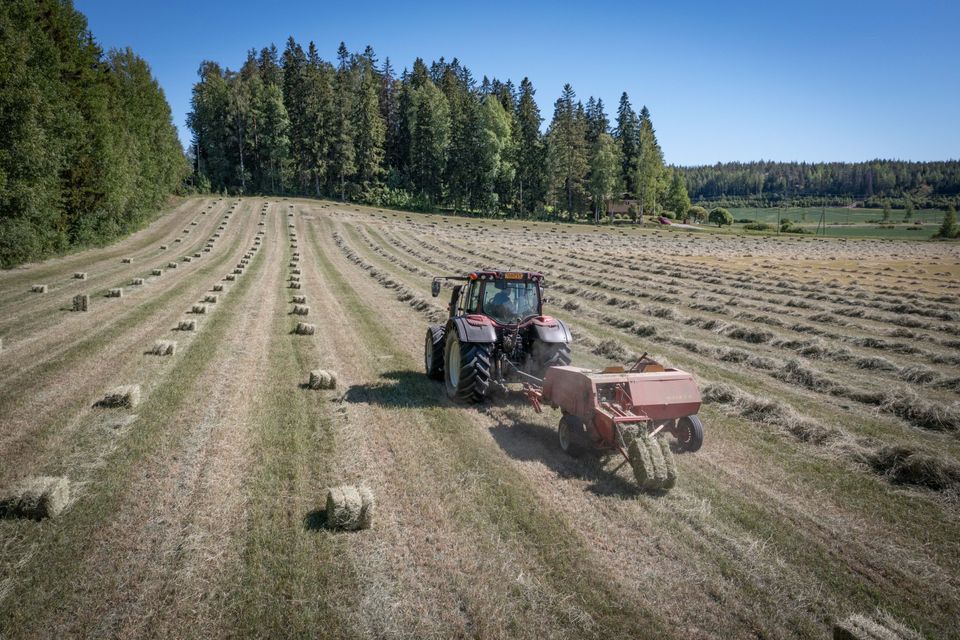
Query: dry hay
[(81, 302), (198, 308), (322, 379), (36, 497), (164, 348), (295, 272), (171, 265), (163, 247), (127, 260), (136, 282), (39, 288), (294, 278), (127, 395), (230, 277), (652, 462), (299, 299), (187, 259), (301, 310), (80, 275), (882, 627), (305, 329), (294, 285), (179, 240), (115, 293), (187, 325), (210, 299), (157, 272), (218, 287), (349, 508), (238, 271)]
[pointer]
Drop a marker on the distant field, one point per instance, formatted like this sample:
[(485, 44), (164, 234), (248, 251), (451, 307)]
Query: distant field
[(843, 222), (828, 483)]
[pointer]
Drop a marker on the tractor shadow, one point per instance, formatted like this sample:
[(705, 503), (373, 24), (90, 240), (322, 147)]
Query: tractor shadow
[(398, 389), (528, 441)]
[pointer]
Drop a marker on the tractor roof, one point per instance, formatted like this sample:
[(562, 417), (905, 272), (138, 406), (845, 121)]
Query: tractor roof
[(504, 274)]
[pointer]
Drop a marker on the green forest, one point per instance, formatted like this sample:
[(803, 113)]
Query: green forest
[(356, 129), (88, 150)]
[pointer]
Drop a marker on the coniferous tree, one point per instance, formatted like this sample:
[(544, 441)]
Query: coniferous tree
[(369, 127), (650, 171), (627, 134), (531, 153), (342, 158), (948, 229), (566, 152)]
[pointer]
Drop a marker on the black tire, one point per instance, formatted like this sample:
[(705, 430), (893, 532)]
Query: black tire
[(689, 433), (466, 369), (547, 354), (572, 436), (433, 352)]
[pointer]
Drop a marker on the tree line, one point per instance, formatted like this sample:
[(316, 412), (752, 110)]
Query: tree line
[(429, 136), (876, 183), (88, 150)]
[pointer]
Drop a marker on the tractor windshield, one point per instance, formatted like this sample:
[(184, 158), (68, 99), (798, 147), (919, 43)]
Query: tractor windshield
[(510, 301)]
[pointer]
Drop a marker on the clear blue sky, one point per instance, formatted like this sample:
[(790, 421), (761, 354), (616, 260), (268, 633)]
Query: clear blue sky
[(728, 81)]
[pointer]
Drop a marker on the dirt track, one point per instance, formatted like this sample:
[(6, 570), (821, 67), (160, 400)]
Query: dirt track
[(196, 514)]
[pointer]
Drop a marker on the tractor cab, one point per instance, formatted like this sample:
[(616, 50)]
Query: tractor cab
[(505, 297)]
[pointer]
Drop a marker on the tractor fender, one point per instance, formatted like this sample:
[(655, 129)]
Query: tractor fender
[(551, 330), (472, 331)]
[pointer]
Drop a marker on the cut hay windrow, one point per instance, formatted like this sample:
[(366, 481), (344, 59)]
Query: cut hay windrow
[(299, 299), (164, 348), (187, 325), (38, 288), (860, 627), (210, 299), (157, 272), (322, 379), (136, 282), (80, 275), (305, 329), (115, 292), (198, 309), (81, 302), (127, 395), (349, 508), (301, 310), (36, 497)]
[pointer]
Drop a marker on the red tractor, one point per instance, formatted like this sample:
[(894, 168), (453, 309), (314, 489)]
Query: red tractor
[(496, 332)]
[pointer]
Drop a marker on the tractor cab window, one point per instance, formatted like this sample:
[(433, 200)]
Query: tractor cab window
[(472, 301), (510, 301)]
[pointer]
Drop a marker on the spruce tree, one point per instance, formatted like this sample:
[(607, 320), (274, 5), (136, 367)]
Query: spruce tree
[(627, 134), (342, 159), (566, 152), (531, 153), (948, 229), (368, 125)]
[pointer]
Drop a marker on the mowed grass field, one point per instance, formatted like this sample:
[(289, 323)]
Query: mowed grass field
[(828, 484), (843, 222)]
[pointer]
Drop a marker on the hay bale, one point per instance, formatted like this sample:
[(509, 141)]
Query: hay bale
[(238, 271), (649, 463), (322, 379), (669, 461), (349, 508), (80, 275), (127, 395), (295, 272), (218, 287), (179, 240), (198, 308), (127, 260), (210, 299), (230, 277), (36, 497), (187, 325), (299, 299), (157, 272), (136, 282), (294, 285), (163, 247), (187, 259), (164, 348), (81, 302), (301, 310), (39, 288), (115, 293), (171, 265), (305, 329)]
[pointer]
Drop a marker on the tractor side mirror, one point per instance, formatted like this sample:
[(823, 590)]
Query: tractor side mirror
[(435, 288)]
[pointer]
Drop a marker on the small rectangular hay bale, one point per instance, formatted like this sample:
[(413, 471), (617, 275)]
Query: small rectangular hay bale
[(305, 329), (163, 247), (210, 299), (36, 497), (187, 325), (197, 255), (238, 271), (127, 395), (295, 272), (294, 285), (116, 292), (81, 302), (230, 277), (136, 282), (127, 260), (157, 272), (301, 310), (322, 379), (80, 275), (38, 288), (171, 265), (198, 308), (179, 240), (187, 259), (349, 508), (218, 287), (299, 299), (164, 348)]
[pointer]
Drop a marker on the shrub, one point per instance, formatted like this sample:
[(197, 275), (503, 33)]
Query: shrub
[(720, 217)]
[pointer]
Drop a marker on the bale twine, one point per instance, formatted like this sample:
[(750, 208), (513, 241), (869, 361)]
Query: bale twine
[(171, 265), (127, 260), (294, 285), (80, 275), (81, 302), (127, 395), (305, 329), (322, 379), (39, 288), (164, 348), (187, 325), (210, 299), (301, 310), (136, 282), (36, 497), (198, 308), (157, 272), (349, 508), (218, 287), (115, 293), (299, 299)]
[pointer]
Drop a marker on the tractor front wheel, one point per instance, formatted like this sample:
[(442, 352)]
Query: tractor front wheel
[(466, 369), (689, 433), (433, 352)]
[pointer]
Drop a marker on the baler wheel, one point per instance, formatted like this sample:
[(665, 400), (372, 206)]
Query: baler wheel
[(433, 352), (572, 434), (689, 433)]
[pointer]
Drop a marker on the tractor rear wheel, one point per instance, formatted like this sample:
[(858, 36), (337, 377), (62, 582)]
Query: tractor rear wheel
[(572, 434), (433, 352), (689, 433), (466, 369), (549, 354)]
